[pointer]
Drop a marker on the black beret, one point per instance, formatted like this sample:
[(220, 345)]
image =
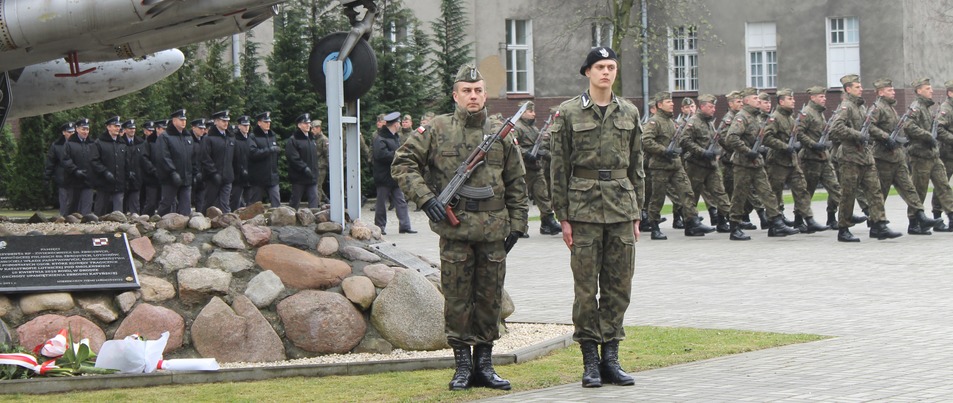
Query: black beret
[(597, 54)]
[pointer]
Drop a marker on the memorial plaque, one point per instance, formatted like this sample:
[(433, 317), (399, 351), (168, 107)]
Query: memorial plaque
[(66, 263)]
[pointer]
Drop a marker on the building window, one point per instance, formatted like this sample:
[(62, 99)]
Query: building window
[(601, 35), (761, 40), (519, 56), (843, 48), (683, 59)]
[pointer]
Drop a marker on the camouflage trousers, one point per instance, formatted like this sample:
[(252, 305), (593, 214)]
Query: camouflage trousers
[(471, 276), (728, 172), (537, 187), (603, 262), (863, 178), (708, 183), (677, 182), (860, 197), (822, 172), (751, 182), (898, 175), (647, 191), (935, 201), (778, 175), (926, 170)]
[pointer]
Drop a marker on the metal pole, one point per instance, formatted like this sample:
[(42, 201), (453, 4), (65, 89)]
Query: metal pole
[(352, 178), (334, 86), (236, 56), (645, 58)]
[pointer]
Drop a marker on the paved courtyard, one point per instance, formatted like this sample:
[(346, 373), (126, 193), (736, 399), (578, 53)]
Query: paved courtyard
[(888, 304)]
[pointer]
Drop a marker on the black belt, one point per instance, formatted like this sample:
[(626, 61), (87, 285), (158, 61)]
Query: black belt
[(600, 174)]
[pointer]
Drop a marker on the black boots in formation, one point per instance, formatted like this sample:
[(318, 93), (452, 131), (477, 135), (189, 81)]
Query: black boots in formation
[(608, 369), (549, 226), (476, 369)]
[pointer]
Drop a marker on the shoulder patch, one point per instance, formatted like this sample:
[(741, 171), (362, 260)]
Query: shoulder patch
[(739, 120), (421, 129), (652, 122)]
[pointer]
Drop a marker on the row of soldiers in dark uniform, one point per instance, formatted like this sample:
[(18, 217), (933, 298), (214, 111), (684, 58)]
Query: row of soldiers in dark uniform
[(745, 162), (172, 169)]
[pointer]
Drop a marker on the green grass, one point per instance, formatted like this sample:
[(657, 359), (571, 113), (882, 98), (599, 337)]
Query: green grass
[(645, 348)]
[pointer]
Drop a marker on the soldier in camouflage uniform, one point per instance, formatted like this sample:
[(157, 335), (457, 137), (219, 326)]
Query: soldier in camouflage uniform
[(782, 164), (597, 189), (688, 109), (856, 169), (890, 158), (924, 153), (945, 137), (734, 106), (473, 253), (749, 170), (667, 171), (701, 164), (536, 184)]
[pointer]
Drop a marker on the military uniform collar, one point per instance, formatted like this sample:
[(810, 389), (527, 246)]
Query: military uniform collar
[(855, 99), (470, 119), (751, 110), (664, 114), (816, 106), (925, 101), (587, 100), (888, 101), (785, 112)]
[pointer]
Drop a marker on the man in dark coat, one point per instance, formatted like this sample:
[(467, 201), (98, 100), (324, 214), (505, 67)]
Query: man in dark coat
[(241, 187), (109, 164), (150, 180), (199, 129), (137, 165), (384, 145), (263, 162), (218, 152), (174, 167), (301, 150), (55, 167), (79, 151)]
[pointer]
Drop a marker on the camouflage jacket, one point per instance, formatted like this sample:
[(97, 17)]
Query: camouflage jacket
[(810, 132), (427, 161), (724, 124), (525, 135), (918, 128), (741, 136), (583, 138), (658, 133), (777, 134), (697, 137), (945, 129), (883, 120), (846, 130)]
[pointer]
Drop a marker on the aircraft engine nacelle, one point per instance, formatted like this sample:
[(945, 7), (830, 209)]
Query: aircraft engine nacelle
[(36, 90)]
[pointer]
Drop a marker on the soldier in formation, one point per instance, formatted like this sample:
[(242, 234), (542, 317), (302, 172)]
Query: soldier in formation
[(537, 186)]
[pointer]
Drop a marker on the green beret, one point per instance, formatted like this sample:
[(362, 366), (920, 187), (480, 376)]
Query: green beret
[(883, 83), (948, 85), (530, 106), (733, 95), (468, 73), (661, 96), (749, 92), (920, 82), (816, 90), (785, 92), (687, 101), (850, 78), (706, 99)]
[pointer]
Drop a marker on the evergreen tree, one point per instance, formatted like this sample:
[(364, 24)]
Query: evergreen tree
[(24, 190), (292, 94), (8, 151), (223, 89), (452, 51), (256, 91)]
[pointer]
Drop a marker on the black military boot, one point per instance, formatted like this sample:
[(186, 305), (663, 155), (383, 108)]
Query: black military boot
[(713, 215), (786, 221), (866, 212), (723, 226), (844, 235), (737, 234), (813, 226), (949, 216), (832, 220), (645, 225), (610, 368), (926, 222), (591, 378), (915, 229), (778, 229), (765, 224), (940, 226), (694, 227), (880, 231), (549, 226), (463, 377), (746, 223), (484, 374), (677, 221), (657, 234), (798, 223), (858, 218)]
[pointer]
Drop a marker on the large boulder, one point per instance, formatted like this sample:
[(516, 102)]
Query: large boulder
[(149, 321), (409, 313), (305, 216), (250, 211), (44, 327), (298, 237), (321, 322), (6, 306), (242, 334), (197, 285), (232, 262), (100, 306), (256, 235), (381, 274), (177, 256), (283, 216), (328, 227), (200, 223), (154, 289), (173, 222), (355, 253), (54, 301), (229, 238), (327, 246), (264, 288), (162, 236), (360, 290), (143, 248), (127, 300), (300, 269)]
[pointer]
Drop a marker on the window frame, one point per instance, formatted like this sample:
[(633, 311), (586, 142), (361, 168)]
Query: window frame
[(683, 47), (512, 53), (764, 51), (849, 41)]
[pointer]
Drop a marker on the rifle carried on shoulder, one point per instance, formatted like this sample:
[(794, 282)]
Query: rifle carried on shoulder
[(792, 140), (865, 128), (713, 144), (936, 124), (456, 188), (539, 139), (760, 139), (895, 134), (673, 145), (826, 134)]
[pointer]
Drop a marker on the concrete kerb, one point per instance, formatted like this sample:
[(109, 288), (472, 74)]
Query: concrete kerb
[(118, 381)]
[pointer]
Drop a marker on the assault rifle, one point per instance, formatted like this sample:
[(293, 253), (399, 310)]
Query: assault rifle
[(792, 141), (456, 188), (760, 139), (713, 144), (936, 123), (826, 134), (539, 139), (895, 134), (865, 128), (673, 145)]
